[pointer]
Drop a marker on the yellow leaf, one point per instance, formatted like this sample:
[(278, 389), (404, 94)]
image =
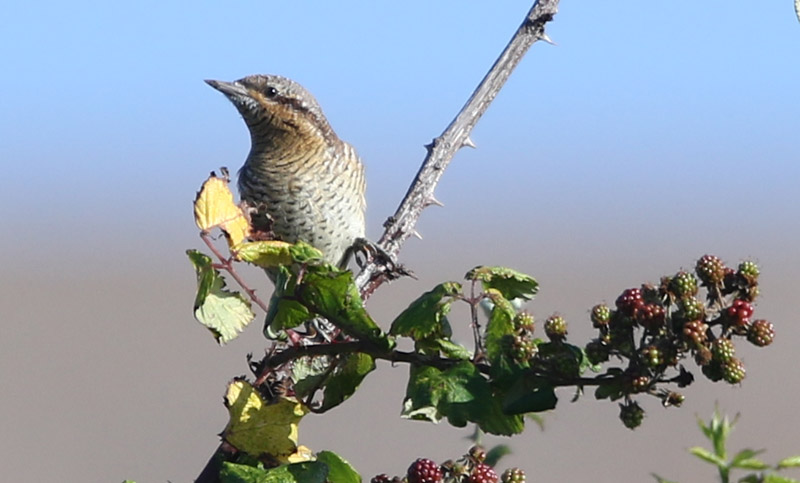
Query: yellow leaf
[(303, 453), (257, 427), (214, 207), (266, 254)]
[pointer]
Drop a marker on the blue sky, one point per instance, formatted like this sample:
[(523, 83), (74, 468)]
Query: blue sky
[(652, 133)]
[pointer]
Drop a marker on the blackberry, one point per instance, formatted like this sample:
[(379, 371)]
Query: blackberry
[(513, 475), (640, 383), (749, 271), (695, 333), (424, 471), (723, 350), (733, 371), (523, 349), (684, 284), (629, 301), (601, 315), (631, 414), (482, 473), (761, 333), (382, 478), (524, 321), (711, 270), (597, 351), (651, 356), (555, 327), (692, 308), (651, 317), (738, 314)]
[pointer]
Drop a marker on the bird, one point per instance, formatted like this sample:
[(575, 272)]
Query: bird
[(309, 182)]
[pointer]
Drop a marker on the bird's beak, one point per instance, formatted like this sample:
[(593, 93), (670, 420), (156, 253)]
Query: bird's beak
[(230, 89)]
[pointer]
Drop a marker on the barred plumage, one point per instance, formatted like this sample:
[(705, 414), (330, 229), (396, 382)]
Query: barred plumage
[(310, 182)]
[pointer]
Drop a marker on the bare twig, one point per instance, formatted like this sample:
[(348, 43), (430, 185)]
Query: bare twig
[(420, 195)]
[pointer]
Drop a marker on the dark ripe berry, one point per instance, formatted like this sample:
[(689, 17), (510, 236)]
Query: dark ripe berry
[(513, 475), (711, 270), (651, 317), (733, 371), (684, 284), (482, 473), (651, 356), (631, 414), (601, 315), (723, 350), (749, 271), (739, 313), (597, 351), (694, 333), (713, 371), (477, 453), (629, 301), (692, 308), (761, 333), (555, 327), (424, 471), (382, 478)]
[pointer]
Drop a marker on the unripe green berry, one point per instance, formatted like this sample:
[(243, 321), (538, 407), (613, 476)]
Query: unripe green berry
[(555, 327), (733, 371), (684, 284), (601, 315), (723, 350), (513, 475)]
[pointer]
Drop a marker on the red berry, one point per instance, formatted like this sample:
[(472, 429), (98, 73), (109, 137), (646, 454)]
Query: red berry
[(382, 478), (630, 301), (424, 471), (711, 270), (739, 313), (482, 473)]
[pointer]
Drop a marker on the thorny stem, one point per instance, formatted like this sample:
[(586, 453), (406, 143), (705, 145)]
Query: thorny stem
[(225, 263), (441, 150), (476, 325)]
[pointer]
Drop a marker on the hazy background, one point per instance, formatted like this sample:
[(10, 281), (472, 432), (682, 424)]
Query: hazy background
[(653, 133)]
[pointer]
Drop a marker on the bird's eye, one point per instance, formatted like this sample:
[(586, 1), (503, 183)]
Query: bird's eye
[(271, 92)]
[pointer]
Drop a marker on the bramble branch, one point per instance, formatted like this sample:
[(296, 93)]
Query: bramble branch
[(441, 150)]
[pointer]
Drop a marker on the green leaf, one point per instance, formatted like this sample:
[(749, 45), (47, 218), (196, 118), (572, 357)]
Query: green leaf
[(745, 459), (345, 379), (332, 294), (500, 325), (273, 253), (460, 393), (772, 478), (530, 394), (339, 470), (708, 456), (790, 462), (510, 283), (426, 316), (611, 390), (306, 472), (223, 312), (494, 455), (453, 350), (286, 314), (308, 373)]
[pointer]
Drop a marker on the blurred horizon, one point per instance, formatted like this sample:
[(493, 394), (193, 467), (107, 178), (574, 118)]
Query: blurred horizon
[(645, 138)]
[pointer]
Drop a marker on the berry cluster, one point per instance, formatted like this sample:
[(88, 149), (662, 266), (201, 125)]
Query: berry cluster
[(470, 468), (522, 346), (653, 328)]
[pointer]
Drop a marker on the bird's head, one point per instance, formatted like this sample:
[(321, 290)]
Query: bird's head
[(274, 106)]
